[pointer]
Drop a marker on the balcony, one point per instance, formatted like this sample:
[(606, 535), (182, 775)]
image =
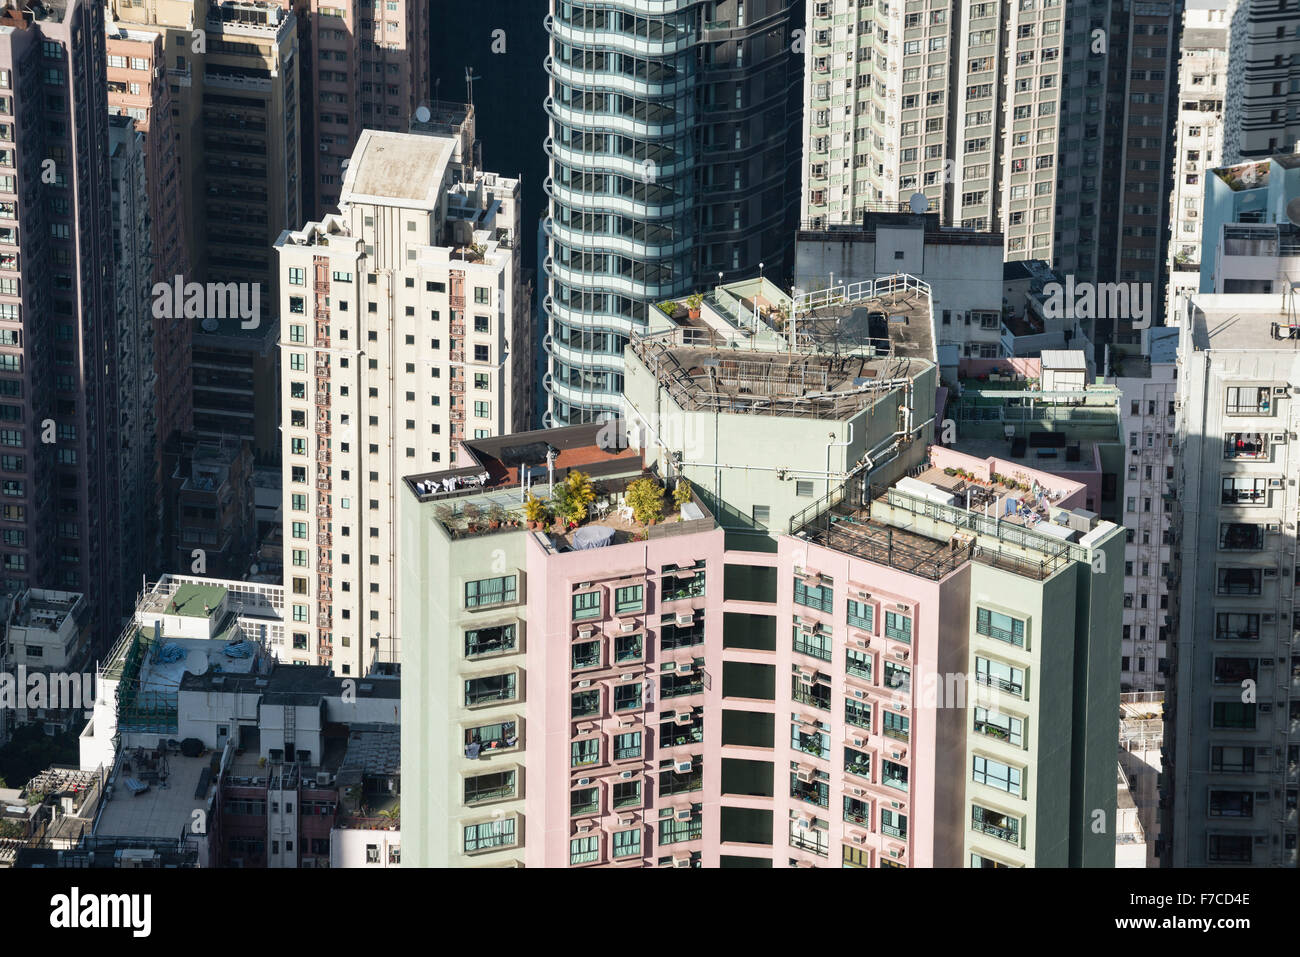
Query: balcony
[(818, 696), (812, 792)]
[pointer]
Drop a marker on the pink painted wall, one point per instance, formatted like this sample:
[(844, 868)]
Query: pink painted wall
[(1075, 489), (551, 635), (1018, 365)]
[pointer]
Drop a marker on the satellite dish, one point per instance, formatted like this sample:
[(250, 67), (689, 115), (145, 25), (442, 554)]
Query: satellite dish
[(1293, 211), (210, 324), (919, 203), (422, 114), (252, 569)]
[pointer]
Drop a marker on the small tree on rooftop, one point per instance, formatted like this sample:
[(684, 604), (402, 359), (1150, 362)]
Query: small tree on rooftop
[(645, 496), (681, 492), (573, 495), (535, 510)]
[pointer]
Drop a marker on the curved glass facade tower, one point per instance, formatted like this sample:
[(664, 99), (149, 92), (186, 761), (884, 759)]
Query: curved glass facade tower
[(674, 156)]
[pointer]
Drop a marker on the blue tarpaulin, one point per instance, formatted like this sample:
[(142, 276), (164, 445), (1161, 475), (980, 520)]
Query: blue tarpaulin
[(239, 649), (169, 652)]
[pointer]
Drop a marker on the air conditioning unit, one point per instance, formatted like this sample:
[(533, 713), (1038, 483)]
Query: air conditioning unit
[(858, 838), (586, 631), (324, 778), (1274, 528), (864, 594), (1279, 390), (684, 667), (626, 820), (1268, 618), (859, 693), (686, 618), (583, 782), (901, 607), (894, 804), (901, 655), (857, 791), (625, 775), (900, 754), (682, 860), (584, 683), (1275, 483), (584, 828), (1270, 572), (893, 852), (627, 627), (862, 643), (803, 822), (683, 814), (683, 717), (804, 774), (682, 767), (1278, 438), (859, 742)]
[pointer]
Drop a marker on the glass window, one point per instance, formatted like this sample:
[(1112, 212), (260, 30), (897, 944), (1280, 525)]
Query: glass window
[(1002, 627), (898, 627), (862, 615), (820, 596), (490, 591), (586, 605), (584, 850), (996, 774), (627, 843), (490, 835), (629, 599)]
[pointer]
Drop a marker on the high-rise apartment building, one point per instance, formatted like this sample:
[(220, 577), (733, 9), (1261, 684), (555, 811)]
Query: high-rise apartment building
[(139, 87), (1198, 141), (645, 683), (405, 332), (1036, 119), (59, 354), (1232, 708), (366, 67), (138, 457), (1250, 240), (674, 165), (1148, 385), (1262, 112)]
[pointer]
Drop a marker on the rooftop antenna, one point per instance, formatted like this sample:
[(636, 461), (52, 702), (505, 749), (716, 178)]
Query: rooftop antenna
[(469, 84)]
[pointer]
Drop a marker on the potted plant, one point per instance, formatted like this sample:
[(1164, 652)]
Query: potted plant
[(471, 513), (535, 511), (681, 494), (645, 497), (444, 513), (693, 303), (950, 471), (668, 308), (496, 515)]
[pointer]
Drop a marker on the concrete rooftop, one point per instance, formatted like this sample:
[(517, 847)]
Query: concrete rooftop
[(397, 169)]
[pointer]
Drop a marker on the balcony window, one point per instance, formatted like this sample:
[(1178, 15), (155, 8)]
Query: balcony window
[(861, 615), (893, 824), (814, 792), (898, 627), (994, 624), (627, 746), (1001, 726), (857, 763), (586, 605), (584, 752), (896, 726), (858, 664), (674, 685), (584, 801), (1245, 445), (978, 861), (627, 697), (997, 775), (1229, 848), (584, 703), (814, 742), (857, 812), (1240, 581), (628, 648), (627, 843), (1240, 537), (673, 831), (1228, 760), (490, 689), (490, 835), (898, 677), (627, 794), (491, 591), (1232, 626), (1247, 400), (1232, 804), (487, 738), (813, 645), (820, 596), (629, 599), (489, 641), (482, 788), (1233, 671), (1244, 491), (672, 734), (857, 713), (995, 674), (812, 838), (1232, 715), (584, 850), (672, 781), (673, 635), (678, 584), (1004, 827), (894, 775), (586, 654)]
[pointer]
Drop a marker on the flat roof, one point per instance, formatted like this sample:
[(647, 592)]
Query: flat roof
[(190, 600), (166, 810), (1239, 322), (397, 169)]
